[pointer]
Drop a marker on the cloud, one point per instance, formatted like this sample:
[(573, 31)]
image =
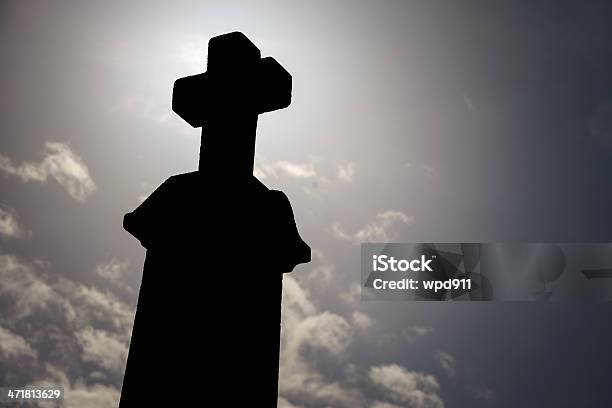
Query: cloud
[(379, 404), (325, 331), (65, 323), (362, 321), (93, 396), (446, 361), (323, 270), (28, 293), (296, 302), (312, 341), (379, 230), (410, 388), (410, 334), (13, 345), (346, 172), (78, 393), (61, 164), (97, 309), (312, 175), (484, 393), (283, 403), (404, 336), (468, 102), (306, 173), (316, 367), (352, 294), (427, 169), (9, 226), (259, 173), (115, 272), (286, 168), (103, 349), (299, 171)]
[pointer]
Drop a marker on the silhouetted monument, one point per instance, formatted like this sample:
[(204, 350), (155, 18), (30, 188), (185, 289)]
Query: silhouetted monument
[(207, 325)]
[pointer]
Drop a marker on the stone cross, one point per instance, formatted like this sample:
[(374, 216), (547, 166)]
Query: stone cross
[(218, 242)]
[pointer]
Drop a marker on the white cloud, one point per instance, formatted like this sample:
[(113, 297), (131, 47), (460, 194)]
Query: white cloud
[(58, 324), (410, 334), (305, 329), (446, 361), (315, 343), (103, 349), (9, 226), (346, 172), (313, 175), (352, 294), (286, 168), (380, 230), (323, 270), (115, 271), (296, 302), (78, 393), (306, 173), (296, 170), (19, 283), (60, 163), (91, 396), (12, 345), (34, 292), (74, 322), (421, 330), (259, 173), (283, 403), (426, 168), (325, 331), (97, 309), (410, 388), (362, 321), (379, 404)]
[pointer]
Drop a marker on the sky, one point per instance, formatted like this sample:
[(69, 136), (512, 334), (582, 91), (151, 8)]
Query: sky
[(457, 121)]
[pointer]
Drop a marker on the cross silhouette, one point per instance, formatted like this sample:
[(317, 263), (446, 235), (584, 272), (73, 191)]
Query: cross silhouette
[(238, 86), (218, 241)]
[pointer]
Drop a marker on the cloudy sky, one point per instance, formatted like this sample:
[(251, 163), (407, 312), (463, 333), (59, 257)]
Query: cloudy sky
[(411, 122)]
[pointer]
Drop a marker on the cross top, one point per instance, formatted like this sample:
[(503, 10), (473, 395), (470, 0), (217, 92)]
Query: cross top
[(226, 99)]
